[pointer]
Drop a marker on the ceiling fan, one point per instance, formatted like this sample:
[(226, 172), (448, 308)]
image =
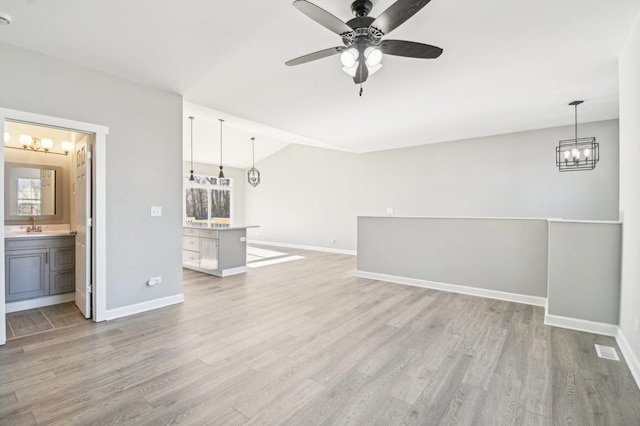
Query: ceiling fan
[(362, 36)]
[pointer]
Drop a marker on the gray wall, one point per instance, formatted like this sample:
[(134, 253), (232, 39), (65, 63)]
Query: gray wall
[(239, 177), (507, 255), (144, 163), (630, 187), (310, 196), (584, 271)]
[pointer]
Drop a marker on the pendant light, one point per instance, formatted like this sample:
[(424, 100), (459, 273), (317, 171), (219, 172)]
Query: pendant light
[(221, 175), (577, 154), (253, 175), (191, 178)]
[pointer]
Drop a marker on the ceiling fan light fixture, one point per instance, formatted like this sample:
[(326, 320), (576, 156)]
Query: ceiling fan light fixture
[(374, 69), (349, 57), (351, 70), (373, 57)]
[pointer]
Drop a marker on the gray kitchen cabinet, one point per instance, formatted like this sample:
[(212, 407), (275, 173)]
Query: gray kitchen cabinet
[(39, 266)]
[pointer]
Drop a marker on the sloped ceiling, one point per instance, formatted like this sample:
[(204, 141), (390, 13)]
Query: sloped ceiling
[(508, 65)]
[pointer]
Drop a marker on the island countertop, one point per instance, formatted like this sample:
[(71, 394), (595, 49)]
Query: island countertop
[(218, 227)]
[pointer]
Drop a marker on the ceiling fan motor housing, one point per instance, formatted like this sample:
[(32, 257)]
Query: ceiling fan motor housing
[(361, 8)]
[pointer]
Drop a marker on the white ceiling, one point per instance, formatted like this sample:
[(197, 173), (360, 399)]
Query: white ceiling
[(508, 65)]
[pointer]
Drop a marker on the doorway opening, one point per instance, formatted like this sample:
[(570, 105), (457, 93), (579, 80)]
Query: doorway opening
[(53, 273)]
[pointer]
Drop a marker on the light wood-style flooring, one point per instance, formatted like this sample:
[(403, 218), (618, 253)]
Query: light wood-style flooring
[(306, 342)]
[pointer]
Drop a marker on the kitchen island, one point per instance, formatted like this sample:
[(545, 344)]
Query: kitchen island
[(217, 250)]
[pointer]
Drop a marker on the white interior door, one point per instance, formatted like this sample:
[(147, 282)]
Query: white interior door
[(83, 226)]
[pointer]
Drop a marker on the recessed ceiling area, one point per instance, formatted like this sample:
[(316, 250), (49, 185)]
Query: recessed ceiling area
[(507, 65)]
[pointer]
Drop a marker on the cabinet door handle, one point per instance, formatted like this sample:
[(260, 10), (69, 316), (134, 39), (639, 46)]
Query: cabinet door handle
[(46, 257)]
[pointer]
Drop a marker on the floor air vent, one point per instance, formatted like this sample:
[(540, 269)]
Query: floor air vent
[(607, 352)]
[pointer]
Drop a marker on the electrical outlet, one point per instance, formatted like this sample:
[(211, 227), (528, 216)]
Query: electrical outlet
[(334, 241), (153, 281), (389, 210)]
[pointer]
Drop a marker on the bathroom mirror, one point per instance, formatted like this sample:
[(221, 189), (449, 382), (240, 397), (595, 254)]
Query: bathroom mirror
[(32, 190)]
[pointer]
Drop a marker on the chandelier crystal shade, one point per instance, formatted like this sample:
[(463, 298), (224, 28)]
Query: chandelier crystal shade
[(579, 153)]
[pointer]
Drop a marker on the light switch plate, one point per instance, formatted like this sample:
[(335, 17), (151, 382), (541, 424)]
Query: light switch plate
[(156, 211)]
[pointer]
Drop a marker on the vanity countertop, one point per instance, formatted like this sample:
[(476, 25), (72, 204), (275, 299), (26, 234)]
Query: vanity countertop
[(24, 234), (47, 231)]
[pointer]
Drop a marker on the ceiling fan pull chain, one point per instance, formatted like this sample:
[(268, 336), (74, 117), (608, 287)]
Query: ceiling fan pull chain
[(360, 89)]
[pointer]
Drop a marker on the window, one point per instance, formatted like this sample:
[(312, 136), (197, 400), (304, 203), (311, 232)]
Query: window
[(208, 200), (29, 191)]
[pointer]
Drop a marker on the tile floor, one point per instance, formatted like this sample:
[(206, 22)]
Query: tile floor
[(41, 319)]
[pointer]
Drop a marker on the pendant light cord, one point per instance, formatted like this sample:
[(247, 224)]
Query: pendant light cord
[(576, 125), (221, 121), (253, 154), (191, 118)]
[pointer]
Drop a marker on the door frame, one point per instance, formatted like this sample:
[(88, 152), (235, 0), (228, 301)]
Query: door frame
[(99, 276)]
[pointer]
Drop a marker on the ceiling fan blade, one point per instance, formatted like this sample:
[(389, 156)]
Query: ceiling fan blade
[(322, 17), (410, 49), (397, 14), (315, 55), (362, 73)]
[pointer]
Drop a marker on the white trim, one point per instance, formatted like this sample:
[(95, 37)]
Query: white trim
[(454, 217), (39, 302), (231, 271), (454, 288), (594, 222), (303, 247), (581, 325), (629, 356), (3, 317), (144, 306), (548, 219), (99, 222)]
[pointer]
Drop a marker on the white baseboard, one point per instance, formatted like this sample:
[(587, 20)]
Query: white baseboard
[(303, 247), (144, 306), (39, 302), (454, 288), (629, 355), (581, 325), (233, 271)]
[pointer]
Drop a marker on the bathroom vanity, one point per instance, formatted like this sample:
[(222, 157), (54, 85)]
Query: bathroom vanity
[(38, 264), (220, 251)]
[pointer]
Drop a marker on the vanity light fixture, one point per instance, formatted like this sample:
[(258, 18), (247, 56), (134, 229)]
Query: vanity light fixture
[(253, 175), (191, 178), (577, 154), (43, 145), (46, 144), (67, 147), (221, 175)]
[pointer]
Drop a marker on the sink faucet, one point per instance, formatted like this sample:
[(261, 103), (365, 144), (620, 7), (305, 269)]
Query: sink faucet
[(32, 227)]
